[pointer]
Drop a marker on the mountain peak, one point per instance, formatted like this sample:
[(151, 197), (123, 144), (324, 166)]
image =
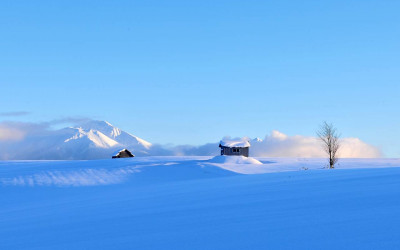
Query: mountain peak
[(111, 132)]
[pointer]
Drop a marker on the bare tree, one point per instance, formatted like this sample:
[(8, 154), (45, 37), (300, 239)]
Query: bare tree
[(330, 138)]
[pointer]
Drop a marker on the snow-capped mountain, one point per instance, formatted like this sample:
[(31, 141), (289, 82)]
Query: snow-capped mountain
[(89, 140), (95, 137), (102, 134)]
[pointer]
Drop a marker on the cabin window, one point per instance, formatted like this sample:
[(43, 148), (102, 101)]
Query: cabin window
[(235, 150)]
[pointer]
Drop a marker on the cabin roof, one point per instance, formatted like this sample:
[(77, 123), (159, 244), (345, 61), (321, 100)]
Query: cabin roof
[(122, 150), (234, 143)]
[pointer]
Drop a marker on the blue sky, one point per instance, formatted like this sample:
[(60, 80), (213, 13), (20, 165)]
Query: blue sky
[(192, 72)]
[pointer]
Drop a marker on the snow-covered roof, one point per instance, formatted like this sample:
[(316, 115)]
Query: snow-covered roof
[(235, 143), (120, 151)]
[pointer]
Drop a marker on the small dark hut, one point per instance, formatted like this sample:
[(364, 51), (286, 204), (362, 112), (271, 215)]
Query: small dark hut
[(234, 147), (124, 153)]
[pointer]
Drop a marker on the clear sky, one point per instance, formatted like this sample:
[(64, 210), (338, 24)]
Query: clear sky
[(192, 72)]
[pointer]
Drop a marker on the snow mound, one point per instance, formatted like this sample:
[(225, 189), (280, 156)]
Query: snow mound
[(233, 159)]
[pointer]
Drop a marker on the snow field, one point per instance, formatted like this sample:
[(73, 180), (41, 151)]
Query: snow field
[(195, 203)]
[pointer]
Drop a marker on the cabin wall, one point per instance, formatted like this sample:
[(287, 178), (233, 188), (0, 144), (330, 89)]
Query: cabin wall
[(124, 155), (235, 151)]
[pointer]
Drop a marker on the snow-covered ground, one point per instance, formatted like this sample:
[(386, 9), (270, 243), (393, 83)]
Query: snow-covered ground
[(200, 203)]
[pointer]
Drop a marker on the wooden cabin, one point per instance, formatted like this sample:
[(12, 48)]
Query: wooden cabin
[(235, 147), (124, 153)]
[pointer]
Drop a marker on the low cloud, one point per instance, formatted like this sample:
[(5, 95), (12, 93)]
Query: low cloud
[(19, 130), (13, 114), (10, 134), (278, 144)]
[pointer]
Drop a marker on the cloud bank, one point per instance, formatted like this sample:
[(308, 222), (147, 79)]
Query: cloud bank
[(280, 145), (27, 141), (17, 131)]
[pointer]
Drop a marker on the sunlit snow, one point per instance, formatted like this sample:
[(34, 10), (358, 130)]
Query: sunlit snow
[(200, 203)]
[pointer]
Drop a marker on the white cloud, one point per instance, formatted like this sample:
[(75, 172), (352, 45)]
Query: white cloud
[(11, 134), (355, 148), (280, 145)]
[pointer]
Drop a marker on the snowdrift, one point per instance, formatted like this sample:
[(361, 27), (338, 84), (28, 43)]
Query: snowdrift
[(232, 159)]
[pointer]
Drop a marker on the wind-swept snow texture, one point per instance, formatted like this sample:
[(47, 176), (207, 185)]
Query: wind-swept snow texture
[(199, 203)]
